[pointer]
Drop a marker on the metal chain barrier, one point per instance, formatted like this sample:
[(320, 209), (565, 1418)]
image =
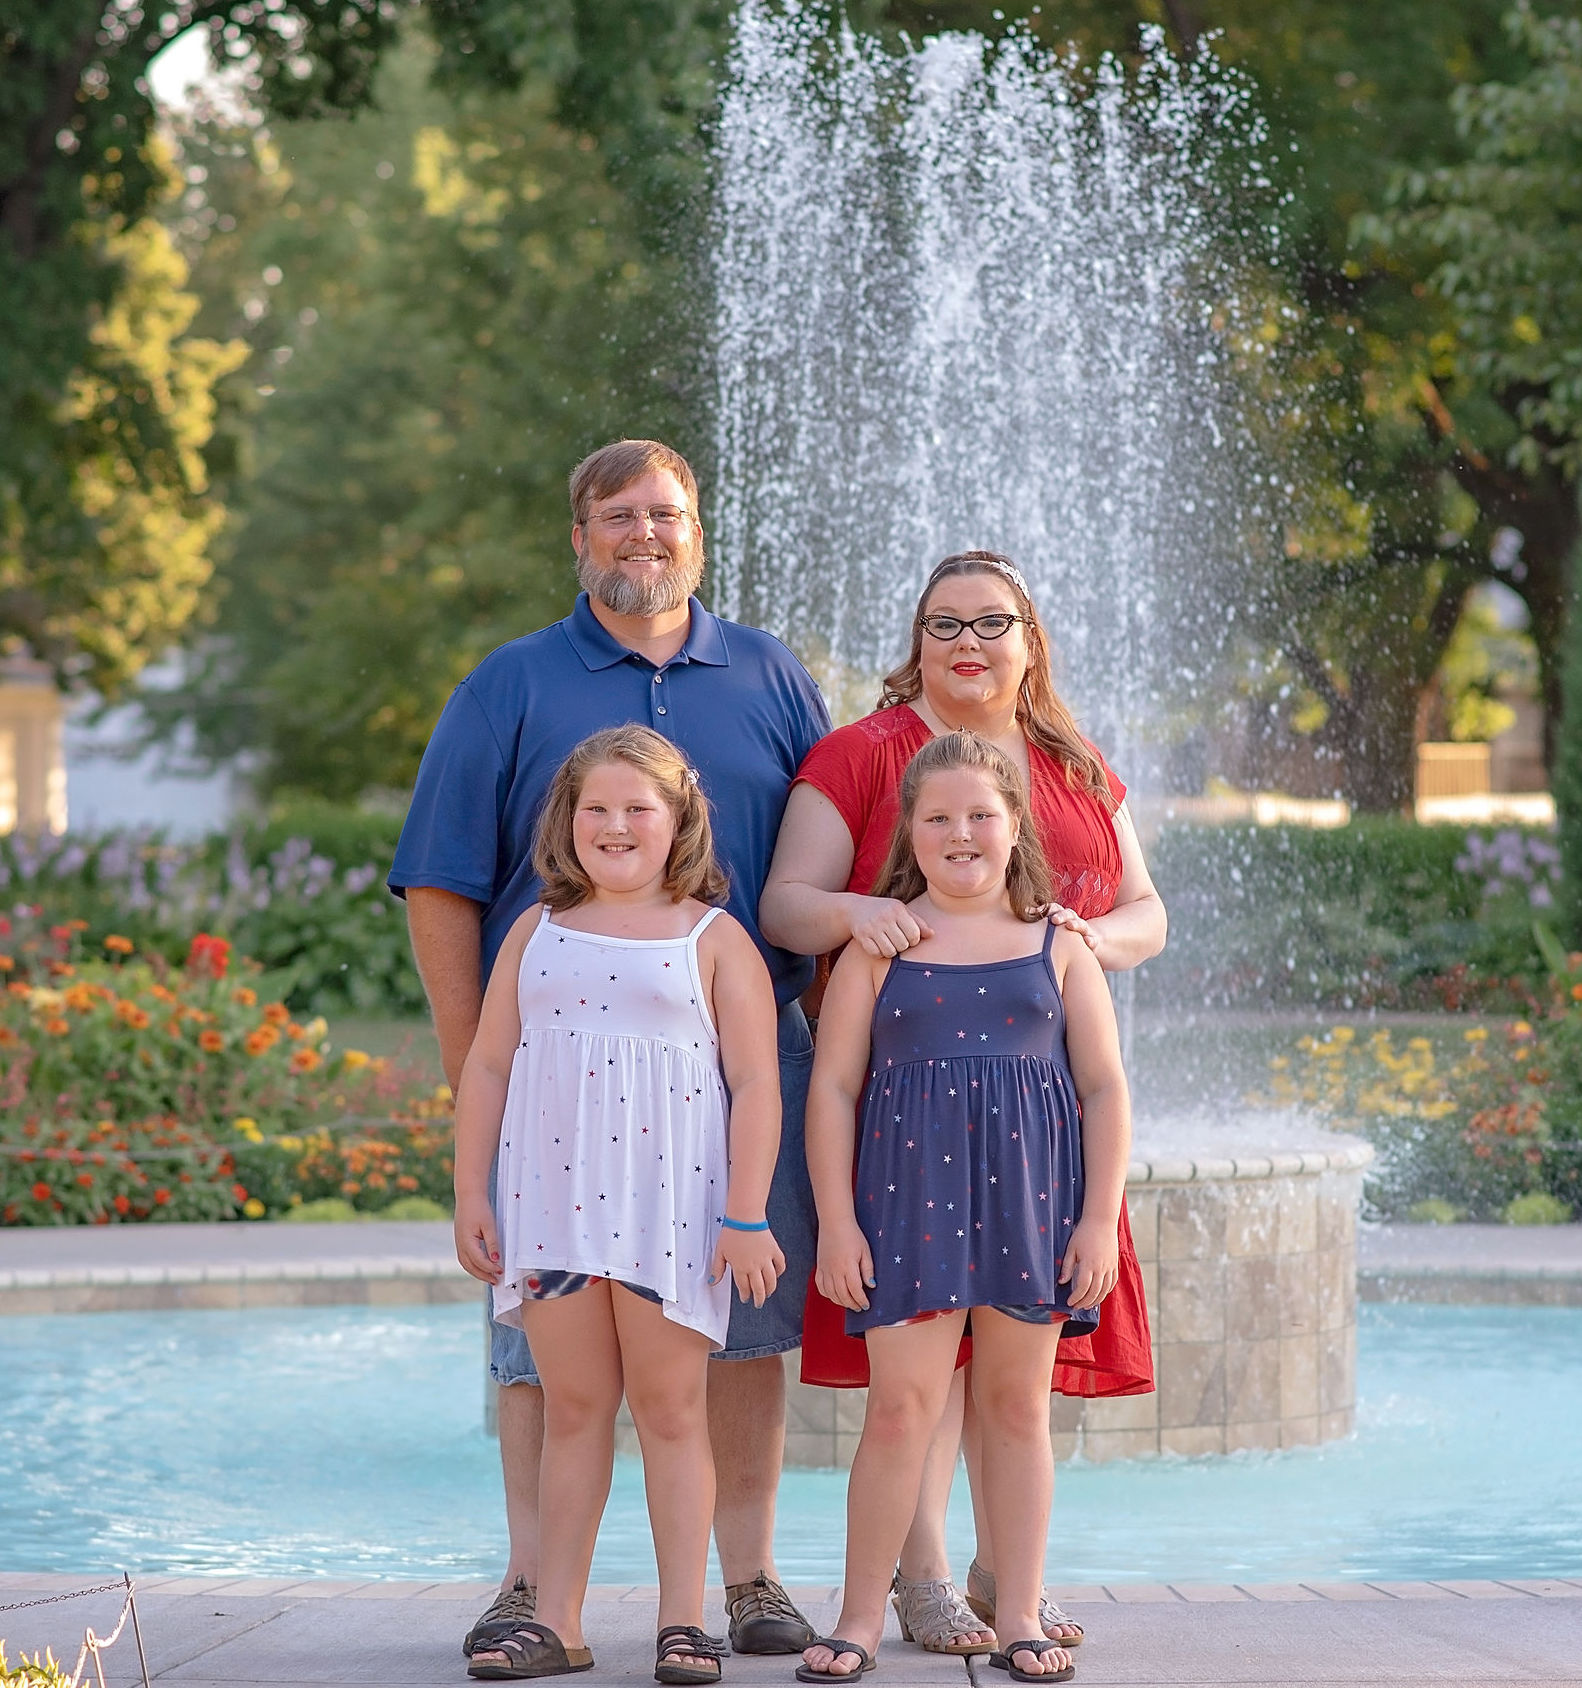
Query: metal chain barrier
[(93, 1644)]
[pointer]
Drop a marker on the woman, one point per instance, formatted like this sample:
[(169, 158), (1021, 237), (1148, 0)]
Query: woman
[(979, 660)]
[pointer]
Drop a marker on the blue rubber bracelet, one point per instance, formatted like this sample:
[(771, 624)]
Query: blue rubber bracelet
[(742, 1225)]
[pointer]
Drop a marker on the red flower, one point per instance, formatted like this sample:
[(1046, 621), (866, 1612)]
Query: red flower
[(161, 1196), (41, 1191), (123, 1204), (208, 956)]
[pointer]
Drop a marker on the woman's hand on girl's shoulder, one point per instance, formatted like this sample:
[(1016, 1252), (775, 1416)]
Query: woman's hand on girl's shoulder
[(884, 927), (1068, 920)]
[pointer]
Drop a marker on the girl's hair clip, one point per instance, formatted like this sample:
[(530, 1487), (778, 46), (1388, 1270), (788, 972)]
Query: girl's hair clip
[(692, 776)]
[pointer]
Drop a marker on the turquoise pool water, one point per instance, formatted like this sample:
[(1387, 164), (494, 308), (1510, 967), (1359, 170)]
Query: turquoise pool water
[(348, 1442)]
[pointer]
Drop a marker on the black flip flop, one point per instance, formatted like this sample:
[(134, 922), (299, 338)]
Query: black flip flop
[(1002, 1661), (806, 1673), (531, 1649)]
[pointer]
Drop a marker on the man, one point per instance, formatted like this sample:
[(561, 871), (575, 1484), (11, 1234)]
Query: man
[(638, 646)]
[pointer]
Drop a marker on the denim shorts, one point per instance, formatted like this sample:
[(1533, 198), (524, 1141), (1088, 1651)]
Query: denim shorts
[(754, 1331)]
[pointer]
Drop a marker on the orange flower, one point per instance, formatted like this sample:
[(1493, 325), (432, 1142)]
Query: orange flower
[(276, 1013), (117, 945), (57, 1028), (129, 1014), (244, 995), (1576, 993), (163, 992), (304, 1060), (255, 1043), (295, 1032), (7, 962), (81, 997), (62, 970), (212, 1041)]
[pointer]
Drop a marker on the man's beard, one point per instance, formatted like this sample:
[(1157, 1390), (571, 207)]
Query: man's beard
[(654, 595)]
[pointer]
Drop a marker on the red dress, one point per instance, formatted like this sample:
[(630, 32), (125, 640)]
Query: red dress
[(858, 768)]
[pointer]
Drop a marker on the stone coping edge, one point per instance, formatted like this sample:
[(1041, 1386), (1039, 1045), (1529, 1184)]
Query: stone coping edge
[(1293, 1163), (381, 1269), (1121, 1594)]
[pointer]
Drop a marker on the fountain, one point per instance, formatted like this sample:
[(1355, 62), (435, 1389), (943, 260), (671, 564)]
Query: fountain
[(969, 295)]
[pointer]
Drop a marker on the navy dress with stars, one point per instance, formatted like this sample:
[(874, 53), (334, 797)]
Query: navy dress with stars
[(613, 1154), (969, 1161)]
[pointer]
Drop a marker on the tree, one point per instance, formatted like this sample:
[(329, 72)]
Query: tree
[(446, 305), (105, 513), (1502, 231)]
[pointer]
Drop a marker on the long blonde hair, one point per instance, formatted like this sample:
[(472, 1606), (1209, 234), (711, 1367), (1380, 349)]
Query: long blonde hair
[(1027, 879), (1043, 717), (690, 868)]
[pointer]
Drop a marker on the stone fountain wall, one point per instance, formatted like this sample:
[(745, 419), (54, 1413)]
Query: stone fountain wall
[(1249, 1265)]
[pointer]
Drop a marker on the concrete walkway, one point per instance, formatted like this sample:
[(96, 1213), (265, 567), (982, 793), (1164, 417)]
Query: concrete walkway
[(220, 1633)]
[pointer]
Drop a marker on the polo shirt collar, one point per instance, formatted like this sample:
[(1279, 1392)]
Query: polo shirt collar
[(599, 648)]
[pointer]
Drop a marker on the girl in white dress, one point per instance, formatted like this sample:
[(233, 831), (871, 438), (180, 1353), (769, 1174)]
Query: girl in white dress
[(598, 1077)]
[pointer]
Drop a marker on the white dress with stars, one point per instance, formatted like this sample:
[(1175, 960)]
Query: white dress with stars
[(613, 1156)]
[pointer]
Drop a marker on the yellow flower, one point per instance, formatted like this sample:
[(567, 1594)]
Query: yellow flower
[(289, 1144), (252, 1208), (316, 1030), (1477, 1035), (248, 1128), (354, 1060), (1342, 1034), (442, 1093), (1520, 1028), (1420, 1043)]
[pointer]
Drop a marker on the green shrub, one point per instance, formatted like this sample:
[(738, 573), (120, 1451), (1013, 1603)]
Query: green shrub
[(1536, 1208), (414, 1207), (1380, 913), (310, 906), (325, 1210), (1433, 1211)]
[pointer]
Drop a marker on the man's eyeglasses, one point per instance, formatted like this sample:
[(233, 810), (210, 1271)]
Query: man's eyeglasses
[(994, 626), (661, 515)]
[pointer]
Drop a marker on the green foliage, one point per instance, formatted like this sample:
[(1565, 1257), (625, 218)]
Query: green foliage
[(450, 304), (131, 1090), (43, 1670), (1380, 913), (1459, 1131), (1567, 779), (1536, 1208), (1433, 1211), (322, 1210), (332, 938)]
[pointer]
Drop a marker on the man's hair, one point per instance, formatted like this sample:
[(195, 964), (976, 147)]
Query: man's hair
[(603, 473), (690, 870), (1026, 873)]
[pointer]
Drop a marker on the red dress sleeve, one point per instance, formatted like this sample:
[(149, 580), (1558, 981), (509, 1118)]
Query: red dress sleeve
[(858, 768)]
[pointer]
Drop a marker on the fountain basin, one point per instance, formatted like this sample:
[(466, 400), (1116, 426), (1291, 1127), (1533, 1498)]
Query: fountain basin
[(1248, 1248)]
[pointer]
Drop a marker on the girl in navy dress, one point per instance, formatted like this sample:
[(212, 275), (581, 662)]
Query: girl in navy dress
[(978, 1080)]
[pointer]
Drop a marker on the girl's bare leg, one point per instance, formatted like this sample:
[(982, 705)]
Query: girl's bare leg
[(1010, 1385), (910, 1369), (574, 1341), (924, 1555), (972, 1452), (666, 1371)]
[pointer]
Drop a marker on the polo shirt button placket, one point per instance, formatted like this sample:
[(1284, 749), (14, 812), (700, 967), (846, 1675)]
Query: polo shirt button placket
[(659, 680)]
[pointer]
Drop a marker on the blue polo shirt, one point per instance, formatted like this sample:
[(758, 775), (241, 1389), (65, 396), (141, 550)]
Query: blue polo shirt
[(733, 699)]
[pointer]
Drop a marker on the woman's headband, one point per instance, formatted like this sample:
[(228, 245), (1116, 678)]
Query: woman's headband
[(1000, 565)]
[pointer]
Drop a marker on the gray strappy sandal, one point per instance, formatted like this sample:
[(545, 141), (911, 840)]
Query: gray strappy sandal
[(930, 1613)]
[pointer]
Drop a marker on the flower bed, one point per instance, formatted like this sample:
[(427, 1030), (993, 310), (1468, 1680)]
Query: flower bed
[(131, 1089), (1488, 1125)]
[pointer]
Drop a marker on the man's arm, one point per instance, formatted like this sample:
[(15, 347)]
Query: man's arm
[(447, 943)]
